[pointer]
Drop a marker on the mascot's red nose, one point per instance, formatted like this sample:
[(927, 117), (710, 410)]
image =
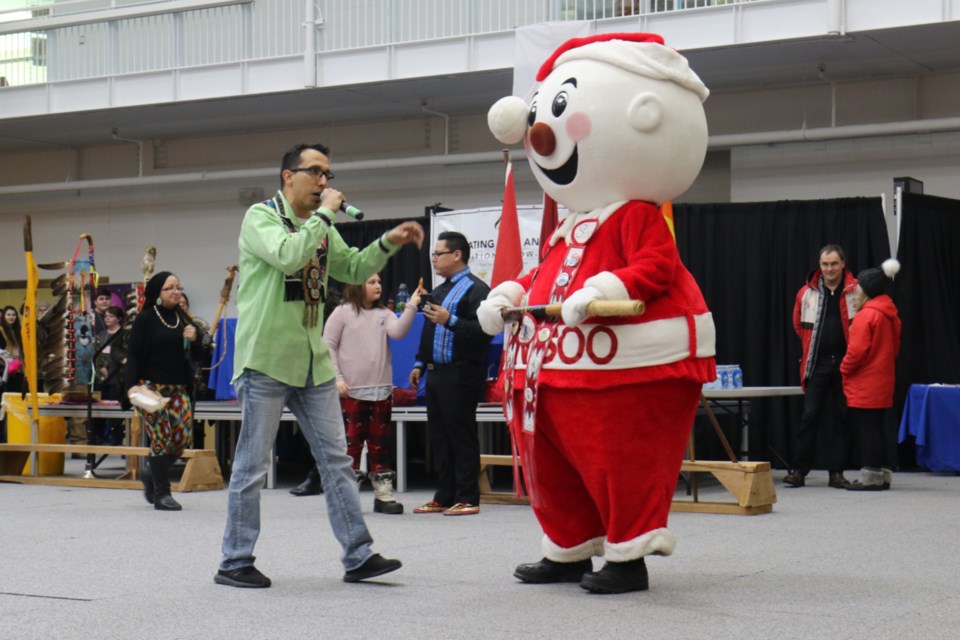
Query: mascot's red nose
[(542, 139)]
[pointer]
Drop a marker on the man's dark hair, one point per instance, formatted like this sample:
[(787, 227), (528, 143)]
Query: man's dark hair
[(456, 241), (103, 291), (291, 159), (833, 248)]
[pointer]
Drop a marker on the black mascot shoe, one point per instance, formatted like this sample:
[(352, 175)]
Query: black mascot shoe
[(547, 571), (618, 577)]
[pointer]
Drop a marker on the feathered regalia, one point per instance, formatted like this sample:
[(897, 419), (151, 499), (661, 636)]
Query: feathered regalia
[(65, 333)]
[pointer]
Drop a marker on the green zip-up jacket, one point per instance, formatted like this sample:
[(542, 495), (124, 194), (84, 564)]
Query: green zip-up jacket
[(271, 337)]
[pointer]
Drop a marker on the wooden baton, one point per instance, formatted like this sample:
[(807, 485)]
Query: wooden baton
[(598, 308)]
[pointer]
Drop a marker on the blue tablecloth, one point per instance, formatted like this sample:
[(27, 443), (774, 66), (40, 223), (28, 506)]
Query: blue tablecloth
[(220, 376), (404, 355), (931, 414)]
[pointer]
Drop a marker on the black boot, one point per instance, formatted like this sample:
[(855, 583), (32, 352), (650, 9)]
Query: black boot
[(146, 477), (618, 577), (160, 469), (310, 486), (548, 571)]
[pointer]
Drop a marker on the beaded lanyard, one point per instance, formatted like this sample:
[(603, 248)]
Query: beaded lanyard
[(307, 283), (539, 334)]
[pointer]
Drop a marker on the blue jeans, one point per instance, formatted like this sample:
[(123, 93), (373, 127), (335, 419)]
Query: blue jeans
[(317, 409)]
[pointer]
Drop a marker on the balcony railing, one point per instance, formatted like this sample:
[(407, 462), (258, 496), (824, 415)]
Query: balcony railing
[(78, 39)]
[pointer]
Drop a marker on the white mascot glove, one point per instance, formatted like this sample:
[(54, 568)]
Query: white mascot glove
[(574, 309), (503, 296), (489, 314)]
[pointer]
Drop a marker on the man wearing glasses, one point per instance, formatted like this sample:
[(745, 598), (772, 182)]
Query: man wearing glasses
[(453, 349), (288, 249)]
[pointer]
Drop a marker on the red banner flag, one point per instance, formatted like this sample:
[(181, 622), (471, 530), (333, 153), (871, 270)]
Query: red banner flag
[(547, 224), (508, 261), (666, 209)]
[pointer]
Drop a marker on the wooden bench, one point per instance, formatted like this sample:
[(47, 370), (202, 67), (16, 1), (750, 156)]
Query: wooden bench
[(487, 494), (750, 483), (202, 472)]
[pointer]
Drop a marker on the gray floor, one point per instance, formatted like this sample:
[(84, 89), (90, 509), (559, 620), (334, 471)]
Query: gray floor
[(77, 563)]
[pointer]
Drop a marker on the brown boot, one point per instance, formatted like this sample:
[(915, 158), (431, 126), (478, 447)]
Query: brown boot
[(837, 481), (794, 479)]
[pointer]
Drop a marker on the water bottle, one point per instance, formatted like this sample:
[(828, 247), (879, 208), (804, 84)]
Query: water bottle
[(403, 296), (737, 377), (726, 380)]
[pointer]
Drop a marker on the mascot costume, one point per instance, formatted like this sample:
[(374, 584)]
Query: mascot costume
[(603, 406)]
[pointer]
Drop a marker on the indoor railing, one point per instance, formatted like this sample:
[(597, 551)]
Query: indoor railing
[(45, 42)]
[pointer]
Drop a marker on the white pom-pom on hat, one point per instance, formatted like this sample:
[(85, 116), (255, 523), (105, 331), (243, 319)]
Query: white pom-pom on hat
[(874, 281), (507, 119), (891, 267)]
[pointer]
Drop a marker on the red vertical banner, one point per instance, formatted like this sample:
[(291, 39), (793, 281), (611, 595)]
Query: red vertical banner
[(547, 224), (666, 209), (508, 261)]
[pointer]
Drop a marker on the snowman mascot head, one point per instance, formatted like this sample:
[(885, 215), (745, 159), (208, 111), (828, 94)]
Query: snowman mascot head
[(616, 117)]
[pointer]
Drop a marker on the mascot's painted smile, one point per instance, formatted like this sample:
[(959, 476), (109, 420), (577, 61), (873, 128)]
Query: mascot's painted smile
[(565, 173)]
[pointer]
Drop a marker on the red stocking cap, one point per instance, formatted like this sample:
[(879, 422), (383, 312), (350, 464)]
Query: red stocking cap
[(573, 43), (641, 53)]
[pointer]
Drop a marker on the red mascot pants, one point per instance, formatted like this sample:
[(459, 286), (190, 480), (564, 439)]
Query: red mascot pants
[(602, 467)]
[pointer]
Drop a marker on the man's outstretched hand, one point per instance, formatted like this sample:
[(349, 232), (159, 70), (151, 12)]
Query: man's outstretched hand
[(406, 233)]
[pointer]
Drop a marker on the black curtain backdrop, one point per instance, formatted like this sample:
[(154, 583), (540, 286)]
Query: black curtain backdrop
[(927, 294), (750, 260), (408, 266)]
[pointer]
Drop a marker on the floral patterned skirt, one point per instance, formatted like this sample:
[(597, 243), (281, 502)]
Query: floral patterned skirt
[(169, 430)]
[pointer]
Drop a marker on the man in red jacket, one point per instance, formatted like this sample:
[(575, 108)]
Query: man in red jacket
[(822, 313)]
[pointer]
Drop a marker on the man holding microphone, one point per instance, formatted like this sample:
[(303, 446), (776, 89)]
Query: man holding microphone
[(288, 249)]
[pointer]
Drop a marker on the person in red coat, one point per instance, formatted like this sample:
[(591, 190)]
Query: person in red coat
[(868, 375)]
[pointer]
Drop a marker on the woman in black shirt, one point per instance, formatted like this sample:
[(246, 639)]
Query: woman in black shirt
[(162, 344)]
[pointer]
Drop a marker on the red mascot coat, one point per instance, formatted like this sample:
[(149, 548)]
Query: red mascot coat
[(614, 398)]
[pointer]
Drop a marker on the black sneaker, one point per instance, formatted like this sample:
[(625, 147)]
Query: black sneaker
[(376, 565), (248, 577)]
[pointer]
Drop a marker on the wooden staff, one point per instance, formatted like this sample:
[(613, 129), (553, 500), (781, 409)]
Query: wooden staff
[(224, 299), (599, 308), (28, 339)]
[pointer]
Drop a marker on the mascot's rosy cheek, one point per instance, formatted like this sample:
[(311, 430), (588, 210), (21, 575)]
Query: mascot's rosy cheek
[(578, 126)]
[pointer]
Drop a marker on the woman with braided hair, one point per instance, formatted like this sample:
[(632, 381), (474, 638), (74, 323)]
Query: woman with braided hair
[(162, 344)]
